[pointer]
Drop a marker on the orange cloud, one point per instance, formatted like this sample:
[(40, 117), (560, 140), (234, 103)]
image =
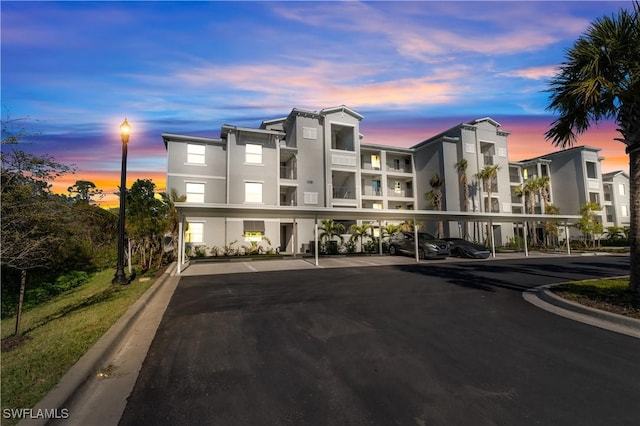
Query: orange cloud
[(109, 182)]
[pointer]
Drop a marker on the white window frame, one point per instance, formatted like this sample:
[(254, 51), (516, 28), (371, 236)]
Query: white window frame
[(195, 192), (253, 192), (195, 232), (621, 189), (196, 154), (624, 210), (253, 154)]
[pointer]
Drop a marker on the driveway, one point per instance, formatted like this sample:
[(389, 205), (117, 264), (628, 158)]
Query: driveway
[(449, 343)]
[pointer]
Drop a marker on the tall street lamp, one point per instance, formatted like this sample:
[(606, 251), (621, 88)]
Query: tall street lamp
[(120, 278)]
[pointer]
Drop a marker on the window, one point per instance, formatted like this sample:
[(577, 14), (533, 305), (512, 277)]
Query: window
[(621, 189), (396, 164), (195, 232), (592, 172), (594, 197), (624, 211), (195, 192), (397, 187), (253, 192), (253, 154), (470, 148), (195, 154), (253, 230), (375, 162), (377, 206)]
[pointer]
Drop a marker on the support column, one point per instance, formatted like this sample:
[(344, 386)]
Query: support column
[(493, 239), (315, 240), (380, 236), (295, 237), (567, 239), (524, 235), (180, 247), (415, 237)]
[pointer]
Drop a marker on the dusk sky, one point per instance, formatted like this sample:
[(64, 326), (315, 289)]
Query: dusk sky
[(72, 71)]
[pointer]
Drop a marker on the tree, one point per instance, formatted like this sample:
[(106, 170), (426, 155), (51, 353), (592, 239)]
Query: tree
[(84, 191), (330, 229), (461, 168), (173, 218), (435, 198), (34, 221), (600, 79), (542, 185), (487, 174), (146, 221), (358, 232), (589, 224)]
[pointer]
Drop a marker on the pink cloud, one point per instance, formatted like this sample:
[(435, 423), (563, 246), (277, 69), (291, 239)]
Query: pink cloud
[(534, 73)]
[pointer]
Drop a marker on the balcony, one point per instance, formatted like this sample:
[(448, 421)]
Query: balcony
[(401, 193), (288, 196), (369, 191), (344, 192), (288, 172)]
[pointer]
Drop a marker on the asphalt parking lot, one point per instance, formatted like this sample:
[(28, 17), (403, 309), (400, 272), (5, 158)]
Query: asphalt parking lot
[(434, 343)]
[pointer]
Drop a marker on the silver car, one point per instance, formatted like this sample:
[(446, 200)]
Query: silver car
[(429, 247)]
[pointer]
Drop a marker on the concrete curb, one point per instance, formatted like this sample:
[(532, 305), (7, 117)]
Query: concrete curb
[(544, 298), (87, 366)]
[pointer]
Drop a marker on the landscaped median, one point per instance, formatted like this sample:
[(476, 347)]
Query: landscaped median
[(611, 295), (56, 334)]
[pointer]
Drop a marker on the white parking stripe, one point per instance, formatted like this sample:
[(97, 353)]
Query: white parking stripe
[(251, 268)]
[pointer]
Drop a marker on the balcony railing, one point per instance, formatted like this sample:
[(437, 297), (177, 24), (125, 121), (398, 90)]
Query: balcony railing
[(399, 169), (288, 172), (344, 192), (405, 193), (372, 192)]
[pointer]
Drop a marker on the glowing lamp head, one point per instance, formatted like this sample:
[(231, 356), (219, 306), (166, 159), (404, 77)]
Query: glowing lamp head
[(125, 131)]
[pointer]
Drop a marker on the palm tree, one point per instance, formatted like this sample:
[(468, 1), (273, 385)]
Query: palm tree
[(487, 174), (358, 232), (435, 198), (527, 190), (461, 168), (173, 218), (600, 79), (542, 184), (330, 229)]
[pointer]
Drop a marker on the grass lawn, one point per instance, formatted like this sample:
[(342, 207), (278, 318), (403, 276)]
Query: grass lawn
[(611, 295), (57, 333)]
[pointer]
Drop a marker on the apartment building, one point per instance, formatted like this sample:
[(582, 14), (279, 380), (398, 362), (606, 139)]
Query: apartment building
[(481, 143), (317, 160), (308, 158), (615, 187)]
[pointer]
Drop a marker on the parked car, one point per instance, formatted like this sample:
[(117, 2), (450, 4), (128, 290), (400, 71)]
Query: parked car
[(429, 247), (463, 248)]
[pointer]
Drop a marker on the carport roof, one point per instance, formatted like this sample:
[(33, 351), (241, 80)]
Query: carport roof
[(306, 212)]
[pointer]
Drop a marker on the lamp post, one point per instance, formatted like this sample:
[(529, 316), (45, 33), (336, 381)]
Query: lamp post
[(120, 278)]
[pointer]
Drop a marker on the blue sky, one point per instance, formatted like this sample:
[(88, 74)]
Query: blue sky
[(74, 70)]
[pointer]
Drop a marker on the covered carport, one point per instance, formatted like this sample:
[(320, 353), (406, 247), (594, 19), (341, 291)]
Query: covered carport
[(318, 213)]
